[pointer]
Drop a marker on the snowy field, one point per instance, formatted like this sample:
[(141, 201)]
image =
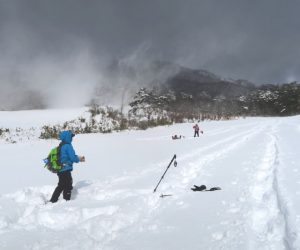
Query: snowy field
[(255, 161)]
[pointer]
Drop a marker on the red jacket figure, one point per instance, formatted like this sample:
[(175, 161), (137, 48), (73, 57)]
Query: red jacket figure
[(196, 129)]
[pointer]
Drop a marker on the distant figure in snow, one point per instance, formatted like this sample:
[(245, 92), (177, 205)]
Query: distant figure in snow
[(196, 130), (175, 137), (67, 158)]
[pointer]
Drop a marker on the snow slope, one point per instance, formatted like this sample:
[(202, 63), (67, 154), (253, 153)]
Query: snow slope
[(255, 161), (33, 118)]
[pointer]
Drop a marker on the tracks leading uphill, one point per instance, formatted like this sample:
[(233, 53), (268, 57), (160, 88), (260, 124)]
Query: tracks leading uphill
[(269, 217)]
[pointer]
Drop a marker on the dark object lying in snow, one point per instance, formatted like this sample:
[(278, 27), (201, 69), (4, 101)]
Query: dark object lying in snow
[(175, 137), (203, 188)]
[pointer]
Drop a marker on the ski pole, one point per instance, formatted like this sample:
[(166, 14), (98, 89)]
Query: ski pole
[(175, 164)]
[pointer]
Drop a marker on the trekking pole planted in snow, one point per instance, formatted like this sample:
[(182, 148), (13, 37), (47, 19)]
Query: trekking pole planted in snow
[(175, 164)]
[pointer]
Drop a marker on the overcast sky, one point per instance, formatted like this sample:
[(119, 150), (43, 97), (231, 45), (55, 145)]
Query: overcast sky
[(257, 40)]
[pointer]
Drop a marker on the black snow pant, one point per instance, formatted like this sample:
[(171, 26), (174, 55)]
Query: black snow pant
[(196, 133), (64, 185)]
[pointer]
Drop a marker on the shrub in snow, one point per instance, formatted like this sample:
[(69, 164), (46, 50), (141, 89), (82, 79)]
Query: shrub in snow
[(148, 109), (3, 131), (49, 132), (96, 120)]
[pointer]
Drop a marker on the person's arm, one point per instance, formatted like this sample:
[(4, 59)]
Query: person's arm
[(71, 153)]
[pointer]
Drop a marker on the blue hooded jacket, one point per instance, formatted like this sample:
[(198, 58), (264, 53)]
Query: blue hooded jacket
[(67, 153)]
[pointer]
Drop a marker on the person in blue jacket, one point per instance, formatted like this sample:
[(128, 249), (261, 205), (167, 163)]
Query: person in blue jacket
[(67, 158)]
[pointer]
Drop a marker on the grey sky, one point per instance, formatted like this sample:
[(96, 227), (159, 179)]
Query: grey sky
[(257, 40)]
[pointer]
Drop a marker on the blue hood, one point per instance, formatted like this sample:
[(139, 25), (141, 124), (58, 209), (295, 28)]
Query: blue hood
[(66, 136)]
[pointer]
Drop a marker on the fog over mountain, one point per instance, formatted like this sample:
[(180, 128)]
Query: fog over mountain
[(54, 53)]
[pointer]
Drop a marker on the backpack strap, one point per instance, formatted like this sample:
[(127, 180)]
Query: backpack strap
[(59, 149)]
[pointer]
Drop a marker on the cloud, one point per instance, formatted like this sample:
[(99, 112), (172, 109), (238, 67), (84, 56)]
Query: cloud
[(60, 79), (66, 45)]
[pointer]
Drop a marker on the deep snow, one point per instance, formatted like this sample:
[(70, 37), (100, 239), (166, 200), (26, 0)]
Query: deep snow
[(255, 161)]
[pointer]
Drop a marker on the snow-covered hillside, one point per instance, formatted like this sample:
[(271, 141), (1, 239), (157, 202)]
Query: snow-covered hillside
[(255, 161)]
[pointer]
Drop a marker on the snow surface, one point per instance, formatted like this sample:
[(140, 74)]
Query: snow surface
[(33, 118), (255, 161)]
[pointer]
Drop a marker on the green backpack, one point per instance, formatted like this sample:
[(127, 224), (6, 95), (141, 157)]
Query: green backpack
[(52, 162)]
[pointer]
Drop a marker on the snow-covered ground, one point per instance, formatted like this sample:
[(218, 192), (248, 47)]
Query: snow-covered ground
[(255, 161)]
